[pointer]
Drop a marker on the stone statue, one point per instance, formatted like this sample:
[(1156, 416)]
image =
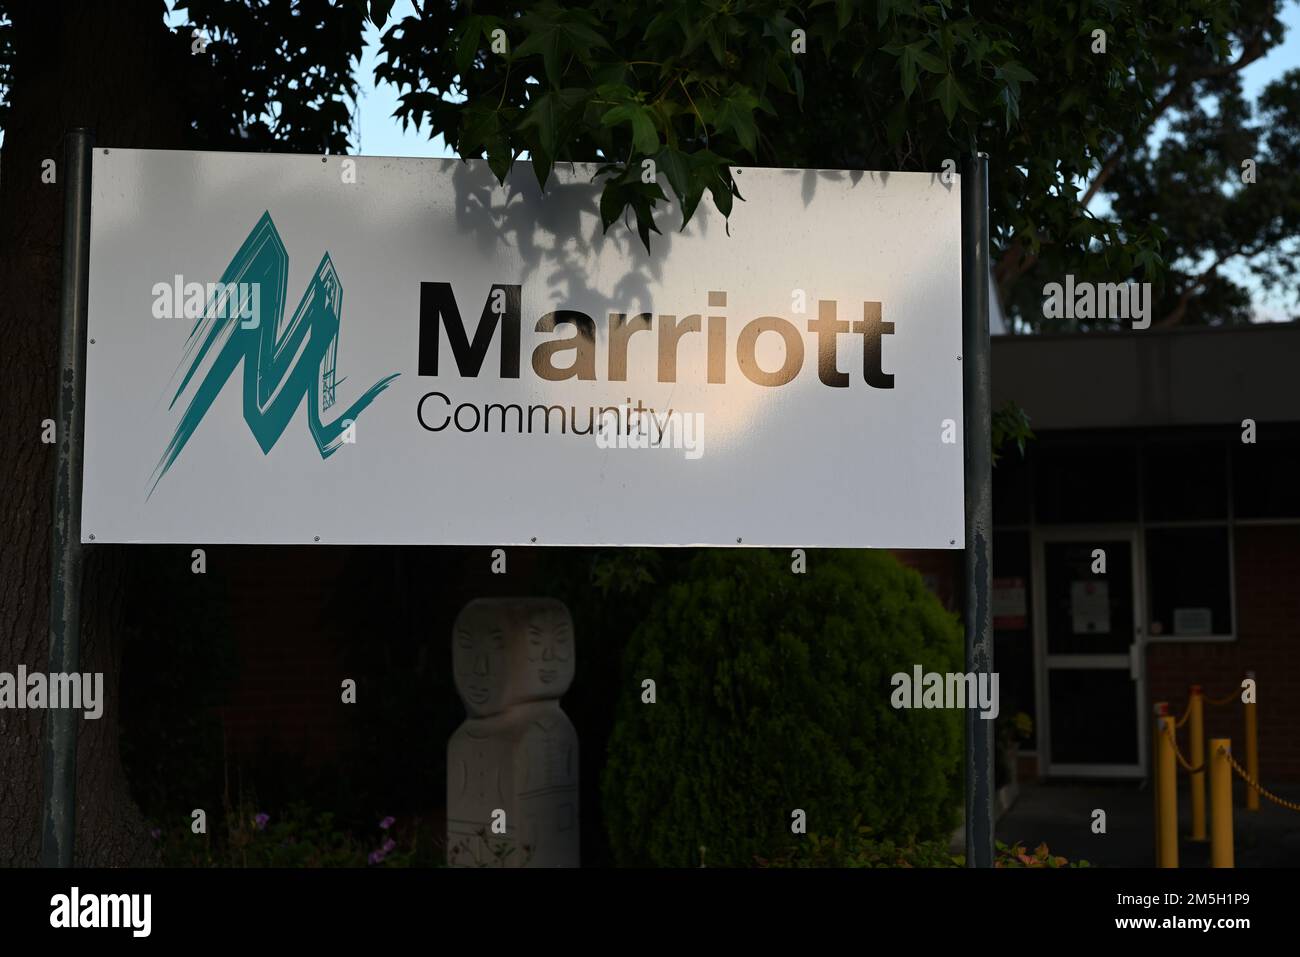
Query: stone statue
[(512, 766)]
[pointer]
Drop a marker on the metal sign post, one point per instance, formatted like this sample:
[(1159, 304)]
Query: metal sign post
[(58, 824), (976, 403)]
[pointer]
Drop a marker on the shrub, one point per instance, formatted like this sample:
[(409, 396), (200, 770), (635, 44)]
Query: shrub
[(773, 694), (1016, 856), (300, 836), (857, 848)]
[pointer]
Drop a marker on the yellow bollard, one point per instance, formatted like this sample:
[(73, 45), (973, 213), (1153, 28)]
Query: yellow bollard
[(1159, 710), (1252, 749), (1167, 795), (1220, 803), (1197, 756)]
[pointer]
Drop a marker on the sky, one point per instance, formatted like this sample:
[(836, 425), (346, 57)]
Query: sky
[(380, 134)]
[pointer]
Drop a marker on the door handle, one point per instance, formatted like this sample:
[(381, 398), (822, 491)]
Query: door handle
[(1134, 660)]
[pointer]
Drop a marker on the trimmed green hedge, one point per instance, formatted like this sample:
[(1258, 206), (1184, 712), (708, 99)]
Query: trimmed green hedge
[(773, 694)]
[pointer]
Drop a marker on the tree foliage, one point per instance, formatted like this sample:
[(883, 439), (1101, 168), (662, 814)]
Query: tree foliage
[(273, 75), (1224, 184), (702, 86)]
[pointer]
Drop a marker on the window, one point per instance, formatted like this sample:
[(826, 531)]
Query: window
[(1266, 475), (1094, 481), (1184, 481), (1012, 491), (1088, 613), (1189, 582)]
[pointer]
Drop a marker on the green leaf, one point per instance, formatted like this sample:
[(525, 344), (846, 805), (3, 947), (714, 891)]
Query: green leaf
[(907, 64), (1149, 260), (645, 139), (714, 38), (555, 36), (886, 7), (542, 165), (910, 57), (706, 169), (478, 126), (467, 36), (481, 130), (643, 208), (776, 76), (500, 161), (928, 61), (694, 193), (610, 75), (948, 92), (1074, 98), (612, 203), (553, 115), (1014, 71), (720, 187), (1011, 105), (620, 194), (675, 165), (735, 112)]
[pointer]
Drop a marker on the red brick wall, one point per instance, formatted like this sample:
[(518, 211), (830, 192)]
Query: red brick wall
[(1268, 643), (940, 569), (292, 659), (287, 698)]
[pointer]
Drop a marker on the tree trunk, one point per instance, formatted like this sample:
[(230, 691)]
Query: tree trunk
[(115, 68)]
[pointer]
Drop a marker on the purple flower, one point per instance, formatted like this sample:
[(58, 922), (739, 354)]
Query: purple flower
[(376, 856), (260, 820), (155, 833), (389, 846), (387, 822)]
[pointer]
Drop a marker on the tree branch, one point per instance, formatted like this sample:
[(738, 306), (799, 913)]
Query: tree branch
[(1251, 51), (1193, 289)]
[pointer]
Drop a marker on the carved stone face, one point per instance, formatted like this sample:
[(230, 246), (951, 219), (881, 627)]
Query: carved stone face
[(479, 658), (548, 650)]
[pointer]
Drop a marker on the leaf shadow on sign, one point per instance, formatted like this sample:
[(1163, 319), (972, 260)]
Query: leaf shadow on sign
[(810, 177), (557, 238)]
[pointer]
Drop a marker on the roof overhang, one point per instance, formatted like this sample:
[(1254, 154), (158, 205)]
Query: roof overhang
[(1195, 376)]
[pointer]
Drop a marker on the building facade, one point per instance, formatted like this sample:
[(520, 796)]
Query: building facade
[(1149, 540)]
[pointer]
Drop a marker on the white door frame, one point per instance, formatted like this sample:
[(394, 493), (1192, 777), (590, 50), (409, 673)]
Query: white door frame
[(1134, 660)]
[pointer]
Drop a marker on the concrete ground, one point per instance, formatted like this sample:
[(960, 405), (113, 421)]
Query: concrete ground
[(1061, 813)]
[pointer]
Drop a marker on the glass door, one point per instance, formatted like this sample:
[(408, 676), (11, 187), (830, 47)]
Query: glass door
[(1088, 636)]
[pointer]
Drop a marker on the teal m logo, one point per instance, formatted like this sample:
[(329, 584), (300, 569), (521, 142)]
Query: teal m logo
[(283, 362)]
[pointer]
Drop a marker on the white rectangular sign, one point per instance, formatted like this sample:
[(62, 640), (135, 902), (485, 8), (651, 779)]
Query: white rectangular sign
[(291, 349)]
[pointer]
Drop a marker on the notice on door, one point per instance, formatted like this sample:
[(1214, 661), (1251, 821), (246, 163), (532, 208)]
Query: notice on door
[(1009, 604), (1090, 607)]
